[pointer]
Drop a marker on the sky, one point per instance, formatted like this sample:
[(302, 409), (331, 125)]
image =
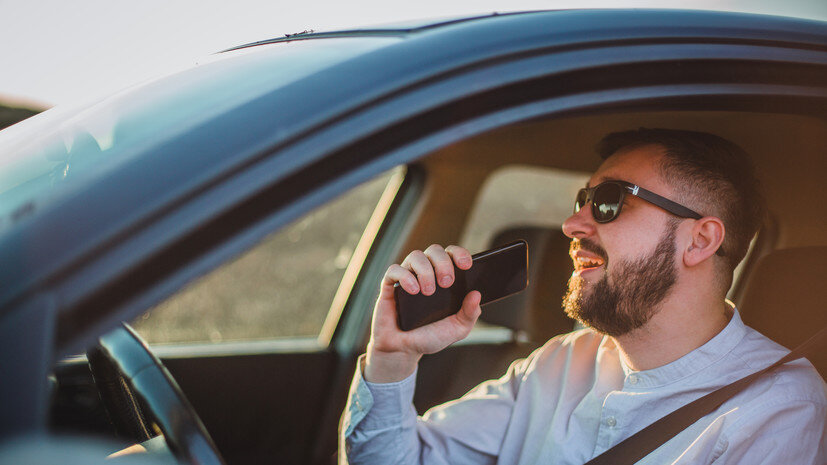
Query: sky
[(67, 52)]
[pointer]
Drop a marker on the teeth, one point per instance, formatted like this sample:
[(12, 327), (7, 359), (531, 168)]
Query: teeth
[(586, 262)]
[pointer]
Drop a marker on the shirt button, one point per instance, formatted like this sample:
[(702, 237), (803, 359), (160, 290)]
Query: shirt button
[(632, 379), (611, 421)]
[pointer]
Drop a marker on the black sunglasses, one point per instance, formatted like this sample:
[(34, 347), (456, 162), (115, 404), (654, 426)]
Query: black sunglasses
[(607, 200)]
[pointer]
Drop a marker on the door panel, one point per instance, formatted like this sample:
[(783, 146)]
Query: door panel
[(258, 408), (248, 343)]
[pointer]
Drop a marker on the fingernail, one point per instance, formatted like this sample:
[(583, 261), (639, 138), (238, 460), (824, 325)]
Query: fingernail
[(429, 289), (445, 281)]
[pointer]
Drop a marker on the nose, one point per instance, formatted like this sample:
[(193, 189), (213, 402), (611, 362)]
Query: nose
[(580, 224)]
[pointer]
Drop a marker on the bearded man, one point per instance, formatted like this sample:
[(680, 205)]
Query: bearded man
[(656, 234)]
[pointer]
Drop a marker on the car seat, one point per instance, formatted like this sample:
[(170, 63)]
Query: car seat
[(536, 313), (785, 298)]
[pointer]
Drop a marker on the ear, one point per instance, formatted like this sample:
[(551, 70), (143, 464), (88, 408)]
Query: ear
[(707, 236)]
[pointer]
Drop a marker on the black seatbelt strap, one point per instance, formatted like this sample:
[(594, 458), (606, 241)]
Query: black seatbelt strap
[(642, 443)]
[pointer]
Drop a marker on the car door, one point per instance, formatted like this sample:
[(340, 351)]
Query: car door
[(258, 330)]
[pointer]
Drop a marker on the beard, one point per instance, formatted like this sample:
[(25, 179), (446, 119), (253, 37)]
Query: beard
[(630, 300)]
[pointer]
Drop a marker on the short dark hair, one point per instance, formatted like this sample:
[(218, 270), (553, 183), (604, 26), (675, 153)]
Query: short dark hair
[(710, 174)]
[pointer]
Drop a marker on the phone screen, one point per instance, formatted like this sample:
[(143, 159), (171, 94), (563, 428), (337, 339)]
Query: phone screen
[(495, 273)]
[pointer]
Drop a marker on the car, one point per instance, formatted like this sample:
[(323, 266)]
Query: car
[(241, 213)]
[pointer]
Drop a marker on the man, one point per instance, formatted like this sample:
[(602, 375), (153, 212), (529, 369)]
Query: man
[(650, 281)]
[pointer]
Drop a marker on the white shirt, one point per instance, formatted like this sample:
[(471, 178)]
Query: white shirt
[(574, 398)]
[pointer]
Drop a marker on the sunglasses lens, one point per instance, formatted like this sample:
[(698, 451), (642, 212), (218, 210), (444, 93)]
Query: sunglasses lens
[(606, 201), (580, 200)]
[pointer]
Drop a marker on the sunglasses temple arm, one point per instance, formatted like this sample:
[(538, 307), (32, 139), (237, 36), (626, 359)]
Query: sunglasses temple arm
[(668, 205), (663, 202)]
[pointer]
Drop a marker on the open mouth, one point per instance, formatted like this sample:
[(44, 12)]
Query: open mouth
[(583, 264)]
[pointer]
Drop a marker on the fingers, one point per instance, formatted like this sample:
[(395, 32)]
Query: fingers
[(460, 256), (418, 270), (434, 267), (423, 269), (403, 276), (443, 265)]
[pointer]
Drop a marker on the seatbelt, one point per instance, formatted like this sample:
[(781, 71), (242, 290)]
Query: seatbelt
[(642, 443)]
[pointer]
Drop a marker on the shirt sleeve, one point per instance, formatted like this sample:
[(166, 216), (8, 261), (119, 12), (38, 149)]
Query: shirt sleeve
[(376, 420), (380, 424)]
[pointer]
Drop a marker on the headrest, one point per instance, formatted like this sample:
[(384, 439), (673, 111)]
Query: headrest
[(785, 297), (537, 311)]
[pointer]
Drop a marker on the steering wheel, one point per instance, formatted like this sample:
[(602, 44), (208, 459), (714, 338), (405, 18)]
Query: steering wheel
[(130, 377)]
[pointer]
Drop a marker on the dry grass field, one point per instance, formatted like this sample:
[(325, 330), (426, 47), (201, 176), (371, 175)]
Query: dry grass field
[(281, 288)]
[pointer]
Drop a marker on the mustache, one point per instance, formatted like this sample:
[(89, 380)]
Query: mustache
[(589, 246)]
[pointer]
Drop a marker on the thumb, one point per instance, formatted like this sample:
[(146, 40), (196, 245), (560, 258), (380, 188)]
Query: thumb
[(470, 310)]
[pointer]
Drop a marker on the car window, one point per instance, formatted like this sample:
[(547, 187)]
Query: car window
[(281, 288), (521, 196)]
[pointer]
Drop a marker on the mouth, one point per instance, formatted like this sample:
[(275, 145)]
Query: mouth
[(587, 256), (586, 263)]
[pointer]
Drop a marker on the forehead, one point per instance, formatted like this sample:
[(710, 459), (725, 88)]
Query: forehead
[(638, 166)]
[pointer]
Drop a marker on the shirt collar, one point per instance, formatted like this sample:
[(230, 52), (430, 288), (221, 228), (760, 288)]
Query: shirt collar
[(694, 362)]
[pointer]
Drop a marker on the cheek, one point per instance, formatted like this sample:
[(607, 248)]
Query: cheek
[(628, 248), (634, 229)]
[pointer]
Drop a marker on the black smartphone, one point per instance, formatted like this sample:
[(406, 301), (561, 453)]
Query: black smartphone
[(495, 273)]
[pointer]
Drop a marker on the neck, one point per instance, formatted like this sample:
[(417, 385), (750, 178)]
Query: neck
[(677, 328)]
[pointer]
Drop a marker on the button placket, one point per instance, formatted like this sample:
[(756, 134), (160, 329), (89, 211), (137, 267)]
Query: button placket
[(606, 430)]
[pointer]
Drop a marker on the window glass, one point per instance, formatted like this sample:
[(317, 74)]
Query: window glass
[(283, 287), (521, 196)]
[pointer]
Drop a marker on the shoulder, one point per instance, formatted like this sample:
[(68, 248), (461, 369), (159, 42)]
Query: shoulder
[(585, 342), (579, 350), (780, 417), (546, 368), (783, 421), (792, 394), (795, 381)]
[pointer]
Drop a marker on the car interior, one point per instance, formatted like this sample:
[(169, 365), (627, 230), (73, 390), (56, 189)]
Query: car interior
[(278, 400), (568, 145)]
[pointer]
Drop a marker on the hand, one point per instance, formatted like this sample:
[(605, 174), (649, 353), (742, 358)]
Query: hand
[(393, 353)]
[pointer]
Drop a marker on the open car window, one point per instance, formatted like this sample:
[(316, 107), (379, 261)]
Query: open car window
[(283, 287)]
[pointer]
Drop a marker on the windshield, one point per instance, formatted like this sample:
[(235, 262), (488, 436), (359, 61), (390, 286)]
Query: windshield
[(50, 153)]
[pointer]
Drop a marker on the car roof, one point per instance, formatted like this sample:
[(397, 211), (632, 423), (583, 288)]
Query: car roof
[(71, 231), (410, 27), (387, 29)]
